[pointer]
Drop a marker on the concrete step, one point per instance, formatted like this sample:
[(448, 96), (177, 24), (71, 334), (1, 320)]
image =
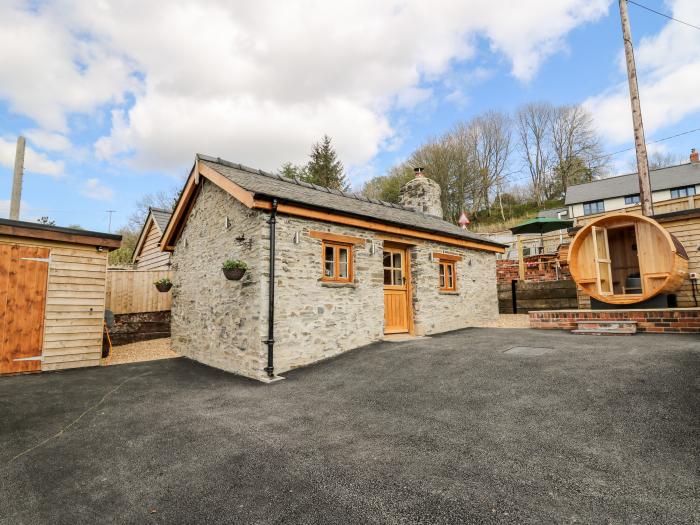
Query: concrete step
[(607, 325), (593, 331)]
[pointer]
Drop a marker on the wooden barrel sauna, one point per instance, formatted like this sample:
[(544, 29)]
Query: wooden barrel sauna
[(626, 259)]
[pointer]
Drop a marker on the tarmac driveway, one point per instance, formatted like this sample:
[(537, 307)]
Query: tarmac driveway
[(448, 429)]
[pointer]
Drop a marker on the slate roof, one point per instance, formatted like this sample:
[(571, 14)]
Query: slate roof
[(622, 185), (553, 213), (263, 184), (161, 217)]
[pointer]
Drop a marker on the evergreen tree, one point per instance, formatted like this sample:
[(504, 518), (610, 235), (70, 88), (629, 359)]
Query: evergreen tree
[(324, 168), (292, 171)]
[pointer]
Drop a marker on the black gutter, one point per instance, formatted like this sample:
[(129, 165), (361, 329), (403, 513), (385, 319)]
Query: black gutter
[(270, 368)]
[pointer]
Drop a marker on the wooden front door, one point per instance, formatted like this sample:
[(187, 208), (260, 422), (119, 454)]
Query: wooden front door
[(23, 281), (396, 306)]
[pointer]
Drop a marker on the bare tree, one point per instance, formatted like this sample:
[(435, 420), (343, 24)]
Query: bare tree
[(490, 143), (659, 160), (576, 148), (533, 125), (164, 199)]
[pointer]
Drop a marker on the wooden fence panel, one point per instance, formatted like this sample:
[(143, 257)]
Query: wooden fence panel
[(132, 291)]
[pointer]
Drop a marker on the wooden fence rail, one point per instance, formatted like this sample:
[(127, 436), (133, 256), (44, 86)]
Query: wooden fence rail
[(132, 291)]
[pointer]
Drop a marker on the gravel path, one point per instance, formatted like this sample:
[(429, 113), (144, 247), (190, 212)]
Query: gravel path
[(141, 351)]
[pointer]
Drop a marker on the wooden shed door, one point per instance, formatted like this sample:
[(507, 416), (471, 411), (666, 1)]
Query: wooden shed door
[(23, 277), (395, 291)]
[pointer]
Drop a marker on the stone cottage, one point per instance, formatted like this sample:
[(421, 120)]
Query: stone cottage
[(328, 271)]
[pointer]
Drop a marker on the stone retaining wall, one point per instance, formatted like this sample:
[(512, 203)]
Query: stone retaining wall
[(142, 326)]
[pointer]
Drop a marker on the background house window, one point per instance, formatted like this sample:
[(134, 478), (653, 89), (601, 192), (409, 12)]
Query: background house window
[(337, 262), (447, 280), (632, 199), (591, 208), (687, 191)]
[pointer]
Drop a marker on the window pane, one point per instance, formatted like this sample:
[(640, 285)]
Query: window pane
[(387, 276), (691, 190), (343, 263), (397, 260), (387, 259), (674, 194), (450, 276), (329, 259), (442, 275), (397, 277)]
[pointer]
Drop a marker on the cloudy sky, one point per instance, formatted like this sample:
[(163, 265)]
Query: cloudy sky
[(116, 97)]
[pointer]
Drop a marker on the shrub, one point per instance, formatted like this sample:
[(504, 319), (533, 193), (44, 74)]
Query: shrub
[(232, 264)]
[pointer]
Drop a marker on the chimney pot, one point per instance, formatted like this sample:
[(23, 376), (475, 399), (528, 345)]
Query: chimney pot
[(694, 157), (418, 171)]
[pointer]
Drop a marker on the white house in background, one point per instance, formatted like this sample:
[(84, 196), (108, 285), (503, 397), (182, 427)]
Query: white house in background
[(675, 183)]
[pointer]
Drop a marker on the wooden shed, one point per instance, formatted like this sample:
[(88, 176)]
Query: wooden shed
[(52, 293), (147, 254), (622, 258)]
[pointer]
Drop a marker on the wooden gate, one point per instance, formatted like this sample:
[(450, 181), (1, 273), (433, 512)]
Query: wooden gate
[(23, 277)]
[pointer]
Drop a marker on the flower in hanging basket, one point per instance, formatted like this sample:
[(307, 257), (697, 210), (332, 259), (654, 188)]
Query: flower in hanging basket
[(234, 270), (164, 284)]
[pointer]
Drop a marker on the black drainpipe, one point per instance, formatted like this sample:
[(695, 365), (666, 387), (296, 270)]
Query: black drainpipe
[(270, 368)]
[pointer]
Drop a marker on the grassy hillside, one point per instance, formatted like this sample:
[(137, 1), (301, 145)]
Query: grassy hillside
[(488, 221)]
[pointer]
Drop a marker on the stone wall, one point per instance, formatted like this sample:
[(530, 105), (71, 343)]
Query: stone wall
[(215, 321), (224, 323), (474, 301), (315, 320)]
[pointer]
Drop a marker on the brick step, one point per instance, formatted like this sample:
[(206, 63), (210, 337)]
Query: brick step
[(603, 331)]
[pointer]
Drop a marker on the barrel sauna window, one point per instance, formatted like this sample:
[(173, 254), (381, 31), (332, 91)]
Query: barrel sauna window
[(623, 259)]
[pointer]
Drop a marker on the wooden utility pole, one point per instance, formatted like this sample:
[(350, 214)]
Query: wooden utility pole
[(17, 179), (639, 141)]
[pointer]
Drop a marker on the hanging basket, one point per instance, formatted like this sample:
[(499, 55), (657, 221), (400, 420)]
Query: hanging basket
[(234, 274), (164, 287)]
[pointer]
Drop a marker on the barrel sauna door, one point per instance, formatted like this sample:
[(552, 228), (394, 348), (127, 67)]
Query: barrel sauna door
[(395, 291), (23, 277), (603, 263)]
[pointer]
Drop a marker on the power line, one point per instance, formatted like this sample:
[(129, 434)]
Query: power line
[(650, 142), (663, 14)]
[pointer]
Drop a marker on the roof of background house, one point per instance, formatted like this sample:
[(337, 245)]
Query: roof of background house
[(264, 184), (622, 185), (553, 213), (161, 217)]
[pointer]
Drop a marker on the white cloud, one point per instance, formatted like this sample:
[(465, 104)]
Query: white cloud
[(257, 82), (47, 140), (94, 189), (668, 66), (34, 162)]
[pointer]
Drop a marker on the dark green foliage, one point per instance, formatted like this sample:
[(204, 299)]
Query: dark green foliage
[(388, 187), (324, 168)]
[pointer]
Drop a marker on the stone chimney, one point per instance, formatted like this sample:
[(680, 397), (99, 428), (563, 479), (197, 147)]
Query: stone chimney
[(421, 194), (694, 157)]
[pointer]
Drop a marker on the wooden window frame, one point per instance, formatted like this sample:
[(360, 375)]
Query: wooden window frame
[(447, 266), (337, 246)]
